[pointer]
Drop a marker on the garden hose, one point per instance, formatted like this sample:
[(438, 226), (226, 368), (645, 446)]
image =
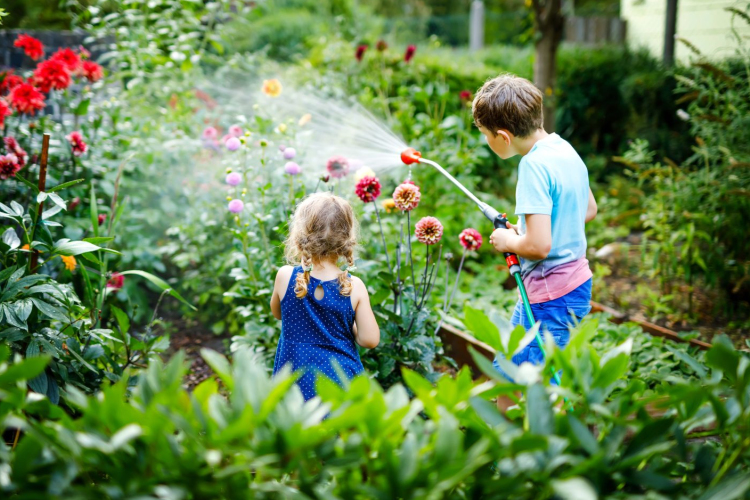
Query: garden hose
[(410, 156)]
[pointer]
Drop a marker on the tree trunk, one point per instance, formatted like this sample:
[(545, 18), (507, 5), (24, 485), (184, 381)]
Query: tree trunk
[(549, 27)]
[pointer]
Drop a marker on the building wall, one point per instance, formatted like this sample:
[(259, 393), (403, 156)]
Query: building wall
[(704, 23)]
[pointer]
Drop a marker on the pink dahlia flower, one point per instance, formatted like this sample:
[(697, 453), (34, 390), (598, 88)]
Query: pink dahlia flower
[(292, 168), (210, 133), (233, 144), (428, 230), (233, 179), (235, 130), (368, 189), (289, 153), (338, 166), (236, 206), (470, 239), (116, 281), (406, 196)]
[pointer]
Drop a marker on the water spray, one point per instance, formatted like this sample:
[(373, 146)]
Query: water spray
[(410, 156)]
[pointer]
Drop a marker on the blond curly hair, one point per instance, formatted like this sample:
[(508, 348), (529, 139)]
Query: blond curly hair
[(323, 226)]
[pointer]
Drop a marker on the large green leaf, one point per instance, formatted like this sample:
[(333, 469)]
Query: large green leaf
[(25, 370), (539, 411), (64, 247), (161, 284), (483, 329)]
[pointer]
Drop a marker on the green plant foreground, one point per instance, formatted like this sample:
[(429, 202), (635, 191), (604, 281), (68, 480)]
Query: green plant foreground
[(243, 435), (133, 238)]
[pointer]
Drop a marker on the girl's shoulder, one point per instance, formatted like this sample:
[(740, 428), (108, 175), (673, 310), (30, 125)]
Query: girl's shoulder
[(284, 274)]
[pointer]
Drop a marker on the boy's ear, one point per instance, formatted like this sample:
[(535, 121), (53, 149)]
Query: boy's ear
[(506, 136)]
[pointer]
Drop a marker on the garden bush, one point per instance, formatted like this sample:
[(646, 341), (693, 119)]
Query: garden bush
[(617, 439)]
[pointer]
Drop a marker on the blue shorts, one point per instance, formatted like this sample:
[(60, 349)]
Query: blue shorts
[(556, 316)]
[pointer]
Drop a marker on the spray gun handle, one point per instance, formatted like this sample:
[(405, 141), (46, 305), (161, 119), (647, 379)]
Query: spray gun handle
[(499, 221)]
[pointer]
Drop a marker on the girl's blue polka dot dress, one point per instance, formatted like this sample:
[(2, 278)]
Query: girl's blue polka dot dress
[(314, 332)]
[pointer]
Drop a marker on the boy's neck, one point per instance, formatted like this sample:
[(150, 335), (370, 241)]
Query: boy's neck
[(524, 145)]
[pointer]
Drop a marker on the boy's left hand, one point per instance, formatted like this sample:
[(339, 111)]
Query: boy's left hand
[(499, 238)]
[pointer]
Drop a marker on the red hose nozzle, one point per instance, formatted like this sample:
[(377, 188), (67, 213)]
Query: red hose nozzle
[(411, 155)]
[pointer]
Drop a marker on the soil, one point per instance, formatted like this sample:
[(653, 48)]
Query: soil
[(642, 298), (191, 336)]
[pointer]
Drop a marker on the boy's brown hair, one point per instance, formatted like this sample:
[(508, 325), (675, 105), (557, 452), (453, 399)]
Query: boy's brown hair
[(508, 102)]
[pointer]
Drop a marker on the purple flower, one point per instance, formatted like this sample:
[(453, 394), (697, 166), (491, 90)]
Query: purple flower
[(236, 206), (235, 130), (233, 144), (233, 179), (292, 168), (282, 147), (289, 153)]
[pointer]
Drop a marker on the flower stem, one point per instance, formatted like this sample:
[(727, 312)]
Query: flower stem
[(382, 235), (458, 275), (411, 258)]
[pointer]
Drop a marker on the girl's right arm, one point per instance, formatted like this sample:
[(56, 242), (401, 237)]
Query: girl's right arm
[(366, 329)]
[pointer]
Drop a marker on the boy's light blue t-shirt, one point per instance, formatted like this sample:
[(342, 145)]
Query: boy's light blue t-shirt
[(553, 180)]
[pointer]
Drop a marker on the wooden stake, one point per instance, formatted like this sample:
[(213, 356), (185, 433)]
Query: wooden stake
[(42, 186)]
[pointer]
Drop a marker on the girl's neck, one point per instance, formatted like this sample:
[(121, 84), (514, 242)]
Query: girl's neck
[(325, 267)]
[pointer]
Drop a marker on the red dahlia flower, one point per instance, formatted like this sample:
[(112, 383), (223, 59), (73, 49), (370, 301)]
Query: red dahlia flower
[(410, 50), (470, 239), (4, 111), (76, 143), (8, 166), (359, 54), (69, 58), (8, 80), (30, 45), (428, 230), (51, 74), (116, 281), (368, 188), (91, 71), (406, 196), (465, 95), (101, 218), (26, 99)]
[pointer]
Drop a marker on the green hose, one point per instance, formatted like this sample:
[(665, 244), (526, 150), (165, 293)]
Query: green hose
[(532, 321)]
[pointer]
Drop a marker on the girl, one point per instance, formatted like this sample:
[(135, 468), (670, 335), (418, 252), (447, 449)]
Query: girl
[(323, 310)]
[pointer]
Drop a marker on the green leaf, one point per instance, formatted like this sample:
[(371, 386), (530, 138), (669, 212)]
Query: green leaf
[(688, 360), (583, 435), (161, 284), (728, 489), (41, 196), (724, 357), (575, 488), (219, 365), (50, 212), (65, 185), (539, 411), (11, 239), (98, 240), (57, 200), (78, 247), (482, 328), (82, 108), (39, 383), (93, 211), (123, 322), (28, 183), (25, 370)]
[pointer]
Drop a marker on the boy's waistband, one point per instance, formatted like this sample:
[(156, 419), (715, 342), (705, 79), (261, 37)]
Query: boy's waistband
[(544, 285)]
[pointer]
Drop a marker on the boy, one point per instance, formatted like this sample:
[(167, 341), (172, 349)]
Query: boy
[(553, 203)]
